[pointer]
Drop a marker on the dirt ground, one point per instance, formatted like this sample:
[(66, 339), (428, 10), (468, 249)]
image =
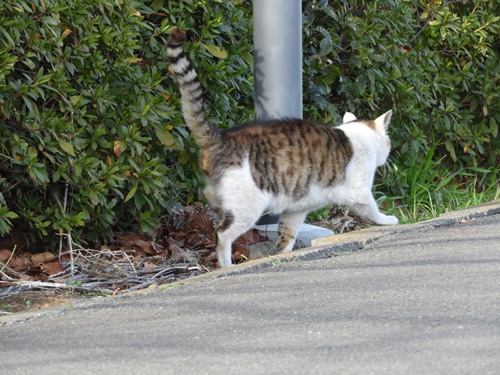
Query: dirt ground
[(37, 299)]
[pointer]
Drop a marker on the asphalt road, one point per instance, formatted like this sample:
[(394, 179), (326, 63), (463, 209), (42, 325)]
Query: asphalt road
[(422, 302)]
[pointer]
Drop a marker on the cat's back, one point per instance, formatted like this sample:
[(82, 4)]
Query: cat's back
[(286, 133), (287, 156)]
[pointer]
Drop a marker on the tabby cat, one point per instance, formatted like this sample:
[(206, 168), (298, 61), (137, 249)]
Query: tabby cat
[(286, 167)]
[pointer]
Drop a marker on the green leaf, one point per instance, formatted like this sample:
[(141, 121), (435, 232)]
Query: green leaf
[(67, 147), (145, 110), (493, 127), (28, 103), (451, 150), (74, 99), (216, 51), (165, 137), (10, 215), (132, 192)]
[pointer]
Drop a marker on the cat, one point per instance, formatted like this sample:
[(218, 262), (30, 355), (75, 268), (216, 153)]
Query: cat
[(287, 167)]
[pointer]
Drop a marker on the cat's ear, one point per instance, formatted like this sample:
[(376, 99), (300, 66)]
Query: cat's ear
[(382, 122), (348, 117)]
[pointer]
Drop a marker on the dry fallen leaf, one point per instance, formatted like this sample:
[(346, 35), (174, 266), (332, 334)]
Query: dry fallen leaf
[(179, 242), (5, 255), (44, 257), (28, 259), (174, 249), (51, 268), (144, 246), (43, 277), (200, 220), (237, 258), (157, 247), (170, 71), (117, 148), (126, 240)]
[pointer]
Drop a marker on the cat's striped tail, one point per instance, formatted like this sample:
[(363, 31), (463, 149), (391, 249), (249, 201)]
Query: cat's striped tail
[(191, 91)]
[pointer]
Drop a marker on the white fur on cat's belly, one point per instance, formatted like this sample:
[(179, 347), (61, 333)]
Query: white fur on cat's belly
[(317, 197)]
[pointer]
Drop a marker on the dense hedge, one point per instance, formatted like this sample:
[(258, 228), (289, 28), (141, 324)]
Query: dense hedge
[(92, 137)]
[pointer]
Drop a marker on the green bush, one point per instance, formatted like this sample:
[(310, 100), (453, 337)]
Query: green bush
[(92, 138)]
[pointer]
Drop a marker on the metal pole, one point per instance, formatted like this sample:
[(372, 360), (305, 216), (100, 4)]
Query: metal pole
[(277, 58), (277, 63)]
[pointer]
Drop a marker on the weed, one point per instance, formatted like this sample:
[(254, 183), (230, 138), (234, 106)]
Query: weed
[(276, 262), (75, 283)]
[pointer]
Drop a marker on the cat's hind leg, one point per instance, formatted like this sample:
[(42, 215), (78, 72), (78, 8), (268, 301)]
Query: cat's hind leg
[(241, 204), (287, 230), (232, 226)]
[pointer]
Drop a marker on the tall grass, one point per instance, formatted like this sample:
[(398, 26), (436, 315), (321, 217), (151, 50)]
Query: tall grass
[(426, 189)]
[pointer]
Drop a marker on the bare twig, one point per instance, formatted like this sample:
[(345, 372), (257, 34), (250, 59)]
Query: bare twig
[(4, 266), (70, 252)]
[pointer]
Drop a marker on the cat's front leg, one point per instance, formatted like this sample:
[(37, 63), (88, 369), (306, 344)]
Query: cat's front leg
[(366, 207)]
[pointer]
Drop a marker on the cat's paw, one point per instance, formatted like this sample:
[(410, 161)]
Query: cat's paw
[(386, 219), (389, 220), (224, 260), (224, 264)]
